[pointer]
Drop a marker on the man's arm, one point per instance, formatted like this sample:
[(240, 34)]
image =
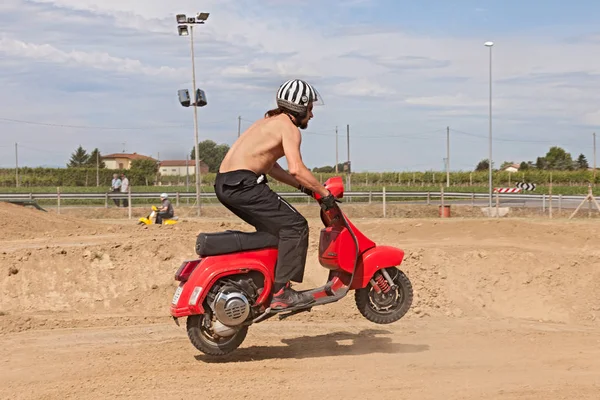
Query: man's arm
[(291, 148), (283, 176)]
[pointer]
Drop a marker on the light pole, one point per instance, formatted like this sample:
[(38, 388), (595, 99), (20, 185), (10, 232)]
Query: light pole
[(490, 44), (183, 22)]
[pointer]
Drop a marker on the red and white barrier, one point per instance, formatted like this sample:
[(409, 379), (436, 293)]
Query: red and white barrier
[(507, 190)]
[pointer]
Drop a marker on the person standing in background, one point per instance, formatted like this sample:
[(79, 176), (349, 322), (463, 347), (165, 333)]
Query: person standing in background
[(116, 187), (125, 189)]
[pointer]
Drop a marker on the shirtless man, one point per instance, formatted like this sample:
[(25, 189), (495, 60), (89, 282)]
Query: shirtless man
[(240, 184)]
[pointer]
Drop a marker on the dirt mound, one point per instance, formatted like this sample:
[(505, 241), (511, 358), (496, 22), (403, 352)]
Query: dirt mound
[(18, 222), (488, 268)]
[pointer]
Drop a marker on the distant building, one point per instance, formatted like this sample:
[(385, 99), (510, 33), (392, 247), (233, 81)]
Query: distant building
[(123, 160), (181, 167), (512, 168)]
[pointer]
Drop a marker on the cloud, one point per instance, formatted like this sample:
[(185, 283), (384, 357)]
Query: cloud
[(97, 60), (395, 62), (120, 63)]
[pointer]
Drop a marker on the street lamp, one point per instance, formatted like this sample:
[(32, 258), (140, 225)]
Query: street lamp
[(185, 27), (490, 44)]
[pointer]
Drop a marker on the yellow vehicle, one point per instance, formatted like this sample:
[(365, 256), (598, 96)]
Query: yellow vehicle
[(149, 220)]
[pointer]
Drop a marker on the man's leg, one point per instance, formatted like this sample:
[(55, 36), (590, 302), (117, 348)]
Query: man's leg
[(259, 206)]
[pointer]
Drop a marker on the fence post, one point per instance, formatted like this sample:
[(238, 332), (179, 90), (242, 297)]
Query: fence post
[(58, 199), (384, 210), (428, 198), (129, 199), (497, 205), (550, 203), (177, 199), (370, 196), (560, 203), (472, 199), (544, 203), (106, 200)]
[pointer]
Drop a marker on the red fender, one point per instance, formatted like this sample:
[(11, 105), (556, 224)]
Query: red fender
[(215, 267), (375, 259)]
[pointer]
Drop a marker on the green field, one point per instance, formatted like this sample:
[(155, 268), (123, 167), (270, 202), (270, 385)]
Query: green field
[(39, 180)]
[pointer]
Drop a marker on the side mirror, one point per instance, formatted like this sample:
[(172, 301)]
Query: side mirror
[(184, 97), (200, 98)]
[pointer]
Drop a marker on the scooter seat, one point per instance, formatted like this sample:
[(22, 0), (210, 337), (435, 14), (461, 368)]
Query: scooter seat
[(174, 218), (212, 244)]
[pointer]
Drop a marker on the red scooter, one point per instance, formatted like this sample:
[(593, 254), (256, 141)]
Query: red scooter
[(229, 287)]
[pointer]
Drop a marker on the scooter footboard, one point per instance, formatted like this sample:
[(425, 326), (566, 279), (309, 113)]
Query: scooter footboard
[(374, 259)]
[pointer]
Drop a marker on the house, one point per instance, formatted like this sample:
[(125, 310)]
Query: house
[(512, 168), (123, 160), (181, 167)]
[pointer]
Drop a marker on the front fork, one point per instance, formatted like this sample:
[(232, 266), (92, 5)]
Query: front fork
[(382, 282)]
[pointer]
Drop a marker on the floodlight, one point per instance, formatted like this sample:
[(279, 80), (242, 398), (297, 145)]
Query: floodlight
[(200, 98), (183, 30), (181, 18), (184, 97), (489, 44), (203, 16)]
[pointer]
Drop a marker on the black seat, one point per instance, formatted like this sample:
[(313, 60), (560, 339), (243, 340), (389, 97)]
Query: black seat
[(212, 244)]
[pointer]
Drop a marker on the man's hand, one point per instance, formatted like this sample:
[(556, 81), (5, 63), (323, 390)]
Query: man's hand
[(328, 202)]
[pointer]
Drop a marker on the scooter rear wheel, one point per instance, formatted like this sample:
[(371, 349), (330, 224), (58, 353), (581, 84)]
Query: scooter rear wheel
[(386, 308), (206, 342)]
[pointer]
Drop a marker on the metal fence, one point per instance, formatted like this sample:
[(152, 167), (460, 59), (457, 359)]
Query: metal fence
[(371, 196)]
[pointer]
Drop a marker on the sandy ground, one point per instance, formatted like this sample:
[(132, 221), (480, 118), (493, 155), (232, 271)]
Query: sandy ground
[(504, 309)]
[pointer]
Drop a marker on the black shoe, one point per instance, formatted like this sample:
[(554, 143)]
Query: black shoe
[(288, 298)]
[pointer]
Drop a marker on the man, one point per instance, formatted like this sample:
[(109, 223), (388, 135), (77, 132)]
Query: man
[(165, 210), (240, 184), (116, 187), (125, 189)]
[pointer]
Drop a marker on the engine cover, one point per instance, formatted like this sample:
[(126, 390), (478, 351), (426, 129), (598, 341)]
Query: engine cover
[(231, 308)]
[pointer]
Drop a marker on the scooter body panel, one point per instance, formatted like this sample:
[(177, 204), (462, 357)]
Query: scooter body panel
[(373, 260), (213, 268)]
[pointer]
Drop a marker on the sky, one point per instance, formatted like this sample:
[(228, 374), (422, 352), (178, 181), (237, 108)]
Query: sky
[(105, 73)]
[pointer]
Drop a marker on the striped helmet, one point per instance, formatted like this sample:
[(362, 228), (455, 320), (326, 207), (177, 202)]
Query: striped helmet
[(295, 95)]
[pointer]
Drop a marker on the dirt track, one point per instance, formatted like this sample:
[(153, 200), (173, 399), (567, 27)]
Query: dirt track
[(504, 309)]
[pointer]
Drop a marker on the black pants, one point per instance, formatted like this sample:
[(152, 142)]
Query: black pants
[(117, 201), (246, 195), (162, 214)]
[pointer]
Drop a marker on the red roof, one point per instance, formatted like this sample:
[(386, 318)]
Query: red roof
[(131, 156)]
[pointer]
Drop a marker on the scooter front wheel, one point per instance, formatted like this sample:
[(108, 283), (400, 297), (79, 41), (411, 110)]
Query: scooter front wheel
[(385, 308), (207, 342)]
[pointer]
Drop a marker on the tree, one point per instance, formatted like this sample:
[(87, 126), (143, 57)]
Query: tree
[(524, 166), (328, 169), (541, 163), (94, 157), (145, 168), (558, 159), (483, 165), (211, 153), (79, 158), (581, 162)]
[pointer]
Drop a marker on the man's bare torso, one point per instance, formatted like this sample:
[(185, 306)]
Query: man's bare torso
[(258, 148)]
